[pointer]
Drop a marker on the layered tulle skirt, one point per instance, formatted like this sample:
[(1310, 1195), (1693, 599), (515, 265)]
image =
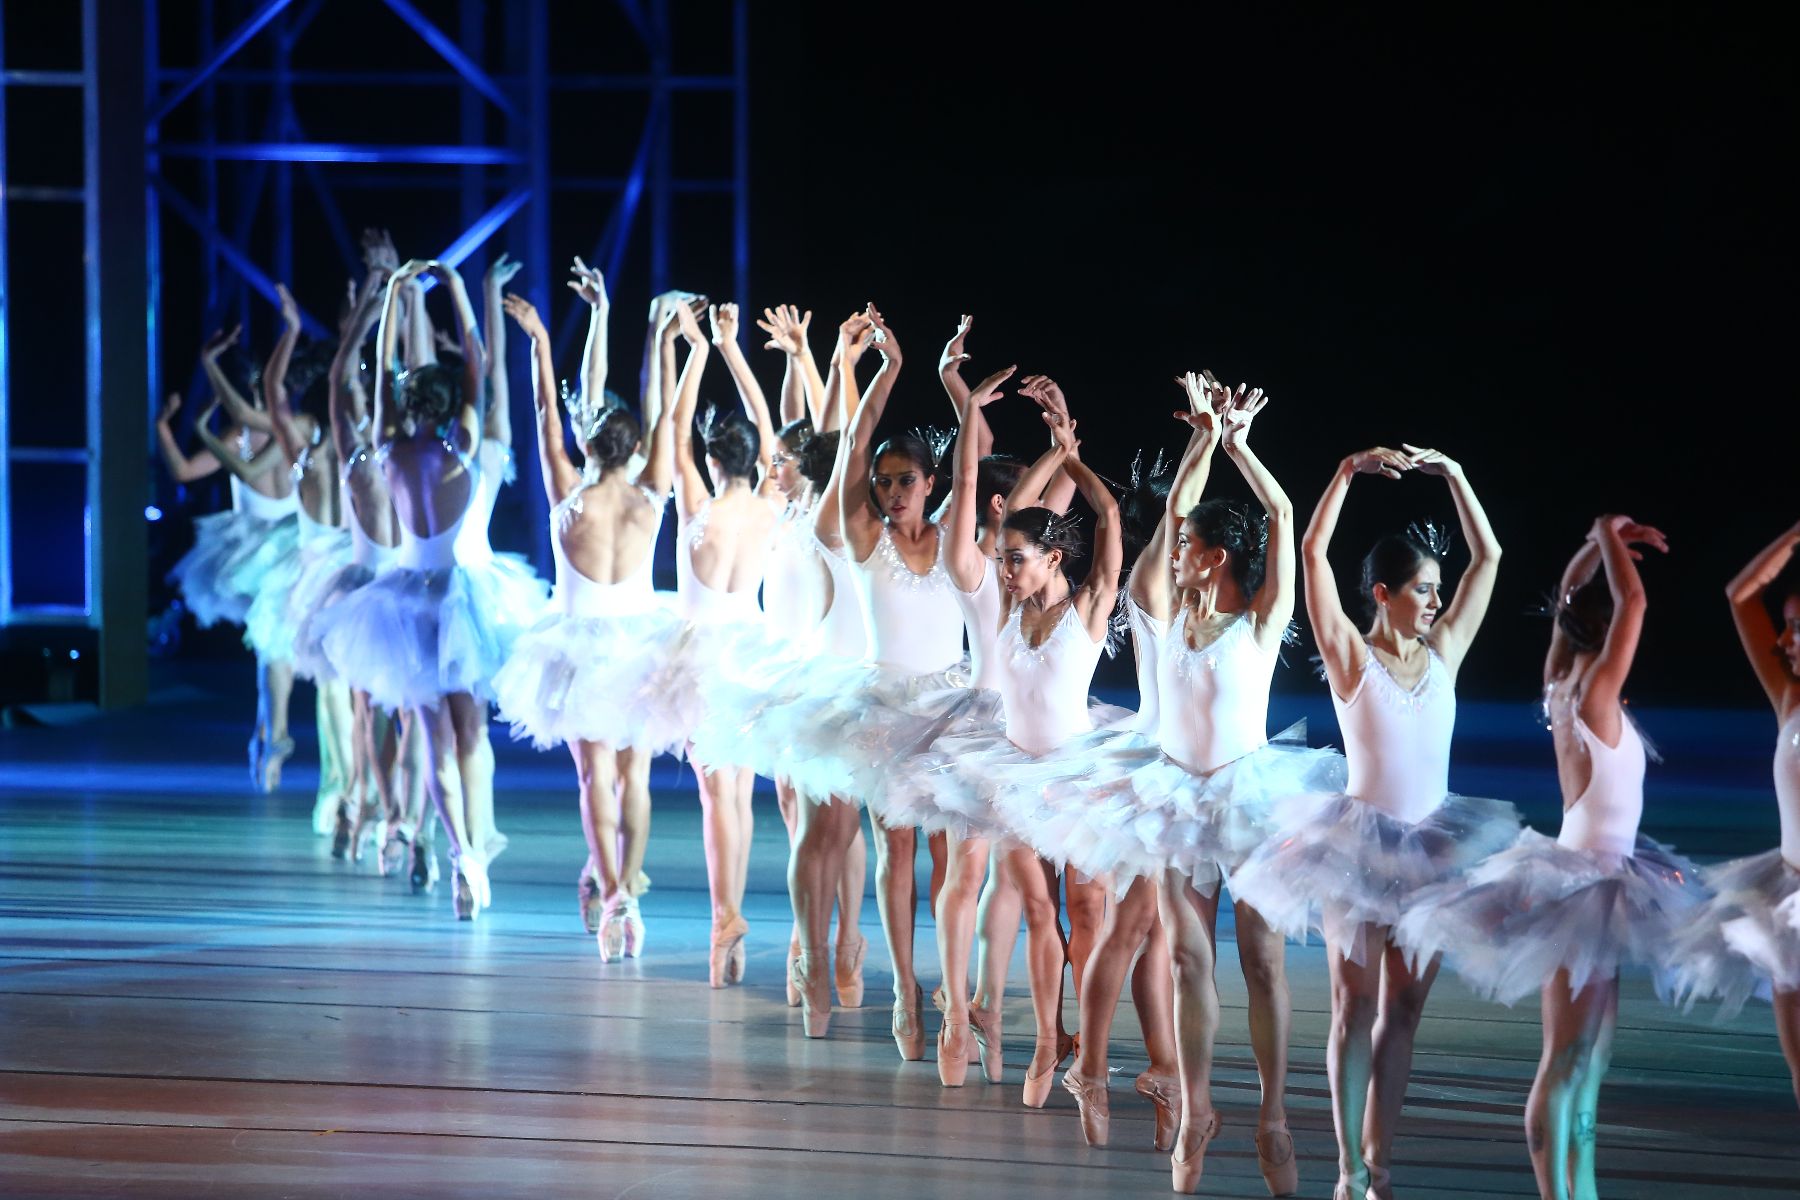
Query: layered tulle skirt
[(1124, 809), (1510, 924), (628, 681), (291, 592), (832, 727), (309, 640), (1745, 939), (222, 574), (410, 637), (1334, 864)]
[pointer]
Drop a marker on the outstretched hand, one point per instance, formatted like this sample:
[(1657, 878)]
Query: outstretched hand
[(1379, 460), (724, 319), (954, 354), (589, 284), (786, 328), (1238, 411), (886, 344), (170, 407), (290, 311), (1202, 414), (1062, 430), (501, 271), (220, 341), (988, 390), (525, 313), (855, 333), (1430, 462), (688, 325), (378, 251), (1633, 534), (1043, 390)]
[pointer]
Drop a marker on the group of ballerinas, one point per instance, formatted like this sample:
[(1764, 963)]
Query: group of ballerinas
[(850, 686)]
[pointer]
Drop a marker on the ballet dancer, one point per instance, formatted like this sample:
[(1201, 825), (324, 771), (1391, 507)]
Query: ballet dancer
[(1346, 864), (1747, 939)]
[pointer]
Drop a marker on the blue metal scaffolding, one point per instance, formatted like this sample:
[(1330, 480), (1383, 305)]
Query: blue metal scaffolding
[(238, 188)]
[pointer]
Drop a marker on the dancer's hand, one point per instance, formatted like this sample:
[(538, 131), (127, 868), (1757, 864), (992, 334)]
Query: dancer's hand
[(501, 271), (786, 328), (525, 313), (988, 390), (1431, 462), (1062, 431), (220, 341), (954, 354), (1631, 533), (1201, 416), (290, 311), (590, 285), (411, 269), (170, 407), (689, 327), (1379, 460), (1238, 412), (724, 319), (378, 251), (886, 344), (1043, 390), (855, 333)]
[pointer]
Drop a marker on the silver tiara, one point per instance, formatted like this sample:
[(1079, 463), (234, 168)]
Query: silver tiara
[(710, 420), (936, 440), (1433, 536), (1158, 469)]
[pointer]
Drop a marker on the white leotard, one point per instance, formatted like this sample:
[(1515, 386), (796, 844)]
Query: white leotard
[(699, 603), (844, 634), (1044, 688), (364, 550), (1605, 816), (1787, 788), (793, 600), (1396, 742), (1217, 698), (493, 463), (440, 550), (312, 530), (264, 508), (981, 622), (914, 624), (581, 596)]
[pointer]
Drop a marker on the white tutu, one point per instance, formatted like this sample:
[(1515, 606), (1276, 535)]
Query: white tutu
[(832, 727), (221, 574), (1129, 810), (1334, 862), (292, 591), (621, 680), (1745, 940), (971, 776), (1513, 921), (410, 637), (309, 649)]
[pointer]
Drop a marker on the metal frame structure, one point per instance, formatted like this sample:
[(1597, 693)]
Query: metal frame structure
[(247, 179)]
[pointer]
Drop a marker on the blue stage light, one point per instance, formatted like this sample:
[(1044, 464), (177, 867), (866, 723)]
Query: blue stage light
[(152, 513)]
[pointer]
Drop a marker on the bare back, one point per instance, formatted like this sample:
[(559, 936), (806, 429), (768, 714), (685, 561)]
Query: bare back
[(430, 481), (735, 531), (366, 493), (607, 529), (317, 470)]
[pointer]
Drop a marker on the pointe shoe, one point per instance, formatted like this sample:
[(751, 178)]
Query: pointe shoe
[(274, 755), (493, 846), (909, 1028), (610, 939), (424, 874), (1164, 1091), (727, 936), (1381, 1185), (587, 893), (1095, 1105), (340, 834), (325, 811), (1037, 1087), (953, 1044), (254, 748), (793, 986), (806, 978), (848, 972), (734, 963), (367, 837), (473, 892), (634, 928), (1184, 1173), (1275, 1158), (464, 900), (985, 1024), (640, 883), (1349, 1188)]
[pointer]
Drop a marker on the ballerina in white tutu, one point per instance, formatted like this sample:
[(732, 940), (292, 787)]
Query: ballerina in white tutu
[(1562, 916), (430, 633), (590, 674), (235, 553), (1746, 941), (1346, 864)]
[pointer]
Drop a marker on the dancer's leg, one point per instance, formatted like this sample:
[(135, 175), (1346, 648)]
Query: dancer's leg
[(1044, 957), (1126, 928), (1355, 996), (1403, 994), (997, 924), (1262, 953), (631, 768), (331, 701), (476, 759), (938, 845), (896, 895), (443, 782), (1153, 994), (746, 817), (1189, 921), (851, 882), (274, 685), (719, 830), (596, 767), (1787, 1028), (956, 921), (1572, 1026), (817, 859), (785, 799), (1582, 1181), (1087, 902)]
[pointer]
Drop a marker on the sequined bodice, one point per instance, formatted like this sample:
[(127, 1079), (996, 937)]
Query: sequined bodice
[(914, 624), (1044, 687), (1396, 741), (1214, 701)]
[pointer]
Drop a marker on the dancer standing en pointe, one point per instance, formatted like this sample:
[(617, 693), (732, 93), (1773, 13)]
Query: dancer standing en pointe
[(1561, 916), (1347, 864), (1747, 939)]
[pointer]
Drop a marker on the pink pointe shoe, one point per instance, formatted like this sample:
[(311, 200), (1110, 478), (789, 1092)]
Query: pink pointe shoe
[(1275, 1158), (985, 1024), (1164, 1092), (1095, 1105), (953, 1052), (1037, 1086), (727, 940), (849, 972), (806, 977), (909, 1027), (1185, 1172)]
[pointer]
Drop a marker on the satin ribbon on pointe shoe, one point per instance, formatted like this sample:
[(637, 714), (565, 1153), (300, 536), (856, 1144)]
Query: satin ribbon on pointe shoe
[(1275, 1158), (1095, 1104), (727, 935), (1163, 1091), (808, 981), (848, 972), (909, 1027), (1184, 1173), (1037, 1087)]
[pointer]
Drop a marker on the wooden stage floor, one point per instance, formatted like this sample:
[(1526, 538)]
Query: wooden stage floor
[(196, 1000)]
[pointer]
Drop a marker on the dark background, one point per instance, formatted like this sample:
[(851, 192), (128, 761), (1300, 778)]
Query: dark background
[(1555, 244)]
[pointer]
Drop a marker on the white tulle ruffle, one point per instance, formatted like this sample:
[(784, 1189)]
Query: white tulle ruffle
[(1743, 941), (222, 573), (410, 637), (1333, 863), (1509, 924), (621, 680), (292, 592), (309, 649), (1127, 810)]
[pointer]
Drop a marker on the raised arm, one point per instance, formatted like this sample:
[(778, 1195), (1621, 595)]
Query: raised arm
[(183, 468), (385, 424), (238, 410), (469, 339), (344, 395), (421, 338), (690, 484), (1153, 575), (589, 284), (854, 336), (1759, 636), (275, 393), (860, 524), (1099, 592), (560, 475), (724, 320), (802, 390), (1606, 678), (962, 552), (497, 423), (1273, 603), (1455, 631), (658, 471), (950, 362), (267, 460), (1339, 640)]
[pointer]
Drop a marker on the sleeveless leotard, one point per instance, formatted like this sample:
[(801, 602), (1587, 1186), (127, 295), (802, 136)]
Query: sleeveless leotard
[(915, 626), (1397, 742), (1217, 697), (981, 621), (1044, 688), (1605, 816)]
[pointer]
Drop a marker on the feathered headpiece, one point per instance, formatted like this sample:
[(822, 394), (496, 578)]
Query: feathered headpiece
[(936, 440), (1433, 536)]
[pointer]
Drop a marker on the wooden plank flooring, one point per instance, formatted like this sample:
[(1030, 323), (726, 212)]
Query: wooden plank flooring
[(196, 1000)]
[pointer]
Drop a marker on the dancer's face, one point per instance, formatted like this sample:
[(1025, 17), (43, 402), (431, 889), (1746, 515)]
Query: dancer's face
[(786, 470), (1025, 570), (1789, 641), (901, 487), (1412, 609), (1195, 563)]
